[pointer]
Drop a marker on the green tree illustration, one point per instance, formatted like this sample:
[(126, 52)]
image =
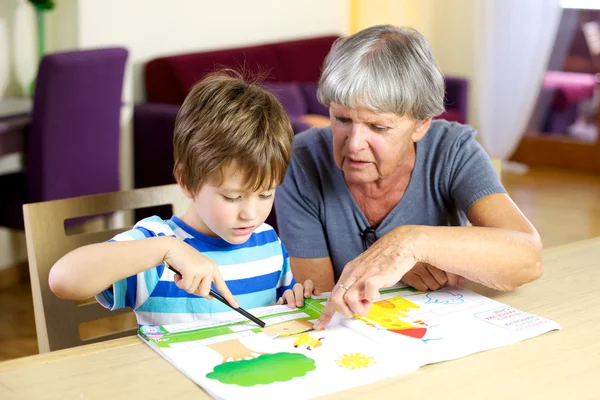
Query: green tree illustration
[(264, 369)]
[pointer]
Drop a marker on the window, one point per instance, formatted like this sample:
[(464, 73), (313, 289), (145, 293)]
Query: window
[(581, 4)]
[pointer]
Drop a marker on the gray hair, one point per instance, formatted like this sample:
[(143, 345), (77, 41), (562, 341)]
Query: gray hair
[(385, 68)]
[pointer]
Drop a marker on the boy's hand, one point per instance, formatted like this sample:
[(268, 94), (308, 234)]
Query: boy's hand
[(295, 297), (196, 272)]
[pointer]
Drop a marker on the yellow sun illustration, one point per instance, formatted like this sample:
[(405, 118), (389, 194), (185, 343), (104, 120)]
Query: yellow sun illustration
[(355, 361)]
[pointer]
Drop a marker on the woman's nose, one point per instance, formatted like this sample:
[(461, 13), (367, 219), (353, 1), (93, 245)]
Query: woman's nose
[(357, 139)]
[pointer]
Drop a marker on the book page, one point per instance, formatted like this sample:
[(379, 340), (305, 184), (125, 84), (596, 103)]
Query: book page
[(238, 359), (404, 330), (452, 322)]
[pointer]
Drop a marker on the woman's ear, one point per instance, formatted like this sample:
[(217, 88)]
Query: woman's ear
[(421, 129), (184, 189)]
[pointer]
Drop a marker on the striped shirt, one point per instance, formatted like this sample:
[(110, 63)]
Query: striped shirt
[(257, 273)]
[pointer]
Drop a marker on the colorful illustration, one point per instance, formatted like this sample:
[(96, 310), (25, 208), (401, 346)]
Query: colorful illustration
[(443, 297), (246, 367), (301, 335), (304, 339), (392, 314), (277, 325), (265, 369), (153, 332), (355, 361), (233, 350), (289, 328)]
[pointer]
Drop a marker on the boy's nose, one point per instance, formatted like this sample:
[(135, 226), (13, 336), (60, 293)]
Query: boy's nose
[(248, 211)]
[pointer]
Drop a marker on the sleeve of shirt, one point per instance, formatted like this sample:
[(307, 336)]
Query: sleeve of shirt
[(298, 200), (133, 291), (286, 279), (472, 175)]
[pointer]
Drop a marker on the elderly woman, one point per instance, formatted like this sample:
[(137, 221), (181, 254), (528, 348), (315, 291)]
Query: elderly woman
[(385, 193)]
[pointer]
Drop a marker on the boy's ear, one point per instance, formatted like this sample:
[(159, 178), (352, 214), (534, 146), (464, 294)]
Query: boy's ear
[(184, 189), (421, 129)]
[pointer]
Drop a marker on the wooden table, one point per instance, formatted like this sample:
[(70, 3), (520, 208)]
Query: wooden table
[(558, 365)]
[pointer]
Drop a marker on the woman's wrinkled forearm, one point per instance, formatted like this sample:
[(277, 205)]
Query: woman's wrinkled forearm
[(501, 259)]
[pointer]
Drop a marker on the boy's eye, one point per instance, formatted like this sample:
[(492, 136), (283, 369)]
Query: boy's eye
[(232, 199), (266, 196)]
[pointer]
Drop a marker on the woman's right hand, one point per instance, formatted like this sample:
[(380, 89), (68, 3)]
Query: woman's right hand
[(381, 265), (196, 272)]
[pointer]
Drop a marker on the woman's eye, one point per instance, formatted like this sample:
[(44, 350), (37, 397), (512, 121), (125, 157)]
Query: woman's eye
[(231, 199), (266, 196), (378, 128), (343, 120)]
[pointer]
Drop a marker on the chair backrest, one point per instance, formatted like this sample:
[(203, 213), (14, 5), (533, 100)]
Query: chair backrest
[(58, 321), (75, 124)]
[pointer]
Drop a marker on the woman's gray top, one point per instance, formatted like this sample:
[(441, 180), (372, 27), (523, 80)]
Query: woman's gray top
[(318, 217)]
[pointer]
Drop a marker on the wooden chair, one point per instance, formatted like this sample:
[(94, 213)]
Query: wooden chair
[(62, 323)]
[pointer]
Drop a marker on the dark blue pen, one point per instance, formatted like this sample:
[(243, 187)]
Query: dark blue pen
[(222, 299)]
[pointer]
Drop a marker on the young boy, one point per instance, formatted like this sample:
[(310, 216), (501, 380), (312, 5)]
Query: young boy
[(233, 143)]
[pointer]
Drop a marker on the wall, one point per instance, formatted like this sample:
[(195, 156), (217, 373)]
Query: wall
[(149, 28), (447, 25), (414, 13), (452, 43)]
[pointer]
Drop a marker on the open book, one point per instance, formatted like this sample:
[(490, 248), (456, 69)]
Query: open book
[(404, 330)]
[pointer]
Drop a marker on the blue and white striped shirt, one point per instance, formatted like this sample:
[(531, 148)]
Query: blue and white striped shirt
[(257, 272)]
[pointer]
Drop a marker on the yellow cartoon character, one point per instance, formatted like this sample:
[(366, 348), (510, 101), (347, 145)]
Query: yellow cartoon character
[(392, 314), (310, 342)]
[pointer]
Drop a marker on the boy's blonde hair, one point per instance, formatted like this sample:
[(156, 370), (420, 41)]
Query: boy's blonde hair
[(225, 119)]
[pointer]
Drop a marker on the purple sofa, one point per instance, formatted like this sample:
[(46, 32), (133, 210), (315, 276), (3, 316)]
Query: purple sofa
[(292, 70)]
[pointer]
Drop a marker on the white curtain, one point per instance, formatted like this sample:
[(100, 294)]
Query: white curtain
[(512, 43)]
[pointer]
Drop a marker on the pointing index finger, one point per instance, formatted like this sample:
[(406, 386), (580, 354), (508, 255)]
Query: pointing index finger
[(326, 315)]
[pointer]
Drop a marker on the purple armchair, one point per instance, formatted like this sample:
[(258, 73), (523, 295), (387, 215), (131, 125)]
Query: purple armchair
[(73, 143)]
